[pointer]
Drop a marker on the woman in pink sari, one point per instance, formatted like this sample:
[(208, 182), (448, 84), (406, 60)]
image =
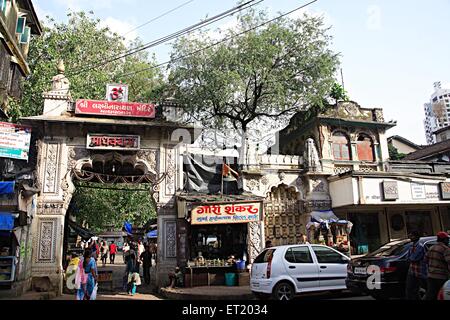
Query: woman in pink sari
[(86, 277)]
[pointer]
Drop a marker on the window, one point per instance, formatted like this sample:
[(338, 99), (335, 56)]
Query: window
[(298, 255), (20, 27), (365, 148), (264, 256), (419, 221), (327, 255), (341, 148), (25, 36), (3, 4)]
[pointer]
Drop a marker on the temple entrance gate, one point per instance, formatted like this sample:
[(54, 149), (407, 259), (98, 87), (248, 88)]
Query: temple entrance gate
[(64, 155)]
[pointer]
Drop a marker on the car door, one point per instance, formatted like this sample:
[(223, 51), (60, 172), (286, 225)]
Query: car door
[(302, 268), (332, 267)]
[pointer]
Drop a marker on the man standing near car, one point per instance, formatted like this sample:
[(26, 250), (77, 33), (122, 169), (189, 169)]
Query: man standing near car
[(417, 272), (438, 259)]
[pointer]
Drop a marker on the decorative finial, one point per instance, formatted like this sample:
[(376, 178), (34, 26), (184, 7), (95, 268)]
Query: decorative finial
[(61, 67)]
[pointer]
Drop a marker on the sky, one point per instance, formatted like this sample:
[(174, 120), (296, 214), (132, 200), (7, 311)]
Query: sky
[(391, 51)]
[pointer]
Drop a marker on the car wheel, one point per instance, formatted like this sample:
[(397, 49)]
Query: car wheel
[(283, 291)]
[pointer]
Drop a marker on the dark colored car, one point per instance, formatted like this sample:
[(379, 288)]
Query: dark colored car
[(393, 266)]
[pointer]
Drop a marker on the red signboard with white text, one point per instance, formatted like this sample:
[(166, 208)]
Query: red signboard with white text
[(226, 213), (115, 109)]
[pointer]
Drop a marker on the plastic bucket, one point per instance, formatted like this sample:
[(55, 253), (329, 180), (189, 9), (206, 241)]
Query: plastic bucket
[(230, 279), (240, 265)]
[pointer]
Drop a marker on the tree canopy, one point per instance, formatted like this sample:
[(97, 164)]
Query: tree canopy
[(259, 75), (82, 42), (112, 205)]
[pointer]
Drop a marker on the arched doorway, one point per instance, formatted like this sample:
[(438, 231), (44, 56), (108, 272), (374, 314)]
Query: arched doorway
[(282, 220)]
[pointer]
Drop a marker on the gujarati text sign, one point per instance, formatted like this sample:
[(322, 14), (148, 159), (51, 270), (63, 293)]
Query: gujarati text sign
[(226, 213), (14, 141), (115, 109)]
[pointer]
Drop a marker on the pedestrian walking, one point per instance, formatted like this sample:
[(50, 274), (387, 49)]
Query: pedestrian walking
[(104, 252), (112, 252), (94, 250), (132, 271), (417, 272), (146, 259), (125, 250), (438, 259), (86, 277)]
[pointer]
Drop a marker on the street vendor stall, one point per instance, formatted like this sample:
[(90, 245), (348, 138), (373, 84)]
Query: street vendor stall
[(327, 229), (217, 236)]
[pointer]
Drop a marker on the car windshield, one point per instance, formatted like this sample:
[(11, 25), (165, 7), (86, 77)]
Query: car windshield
[(396, 248), (264, 256)]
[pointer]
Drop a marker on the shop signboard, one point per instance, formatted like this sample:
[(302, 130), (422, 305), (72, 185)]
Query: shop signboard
[(226, 213), (14, 141), (418, 191), (390, 189), (445, 190), (115, 108), (113, 142)]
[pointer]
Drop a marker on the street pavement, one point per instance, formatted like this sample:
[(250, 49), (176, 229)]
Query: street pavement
[(144, 292)]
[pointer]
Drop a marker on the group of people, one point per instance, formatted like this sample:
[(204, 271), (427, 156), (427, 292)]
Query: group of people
[(135, 255), (427, 269), (103, 250)]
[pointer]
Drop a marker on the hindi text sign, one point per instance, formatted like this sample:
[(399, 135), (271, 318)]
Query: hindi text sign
[(115, 109), (226, 213)]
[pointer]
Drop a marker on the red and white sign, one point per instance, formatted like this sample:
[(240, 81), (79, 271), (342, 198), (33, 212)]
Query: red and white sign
[(115, 109), (226, 213)]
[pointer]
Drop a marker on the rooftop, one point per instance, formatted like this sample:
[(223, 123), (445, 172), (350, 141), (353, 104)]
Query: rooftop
[(429, 151), (405, 141)]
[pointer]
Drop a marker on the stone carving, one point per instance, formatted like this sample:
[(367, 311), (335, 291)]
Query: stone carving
[(76, 154), (50, 208), (282, 176), (38, 181), (171, 239), (311, 157), (150, 156), (379, 115), (51, 170), (170, 171), (253, 184), (318, 185), (318, 205), (59, 82), (265, 180), (254, 240), (47, 241)]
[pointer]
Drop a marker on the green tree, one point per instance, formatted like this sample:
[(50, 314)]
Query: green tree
[(256, 77), (394, 154), (112, 205), (338, 93), (82, 42)]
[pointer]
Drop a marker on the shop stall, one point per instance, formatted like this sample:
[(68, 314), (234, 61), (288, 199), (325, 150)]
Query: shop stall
[(327, 229), (8, 249), (217, 234)]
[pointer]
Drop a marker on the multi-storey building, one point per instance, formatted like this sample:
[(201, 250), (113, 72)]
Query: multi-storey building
[(18, 22), (437, 112)]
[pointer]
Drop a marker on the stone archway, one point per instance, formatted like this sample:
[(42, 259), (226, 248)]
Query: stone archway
[(283, 223)]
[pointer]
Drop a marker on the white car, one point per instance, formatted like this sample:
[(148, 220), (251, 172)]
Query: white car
[(444, 293), (284, 271)]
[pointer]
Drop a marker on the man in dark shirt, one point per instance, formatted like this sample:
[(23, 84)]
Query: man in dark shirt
[(438, 259), (146, 259)]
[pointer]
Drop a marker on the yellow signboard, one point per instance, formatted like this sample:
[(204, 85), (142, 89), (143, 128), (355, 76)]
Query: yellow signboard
[(226, 213)]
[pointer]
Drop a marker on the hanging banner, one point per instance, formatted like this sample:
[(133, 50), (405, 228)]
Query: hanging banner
[(226, 213), (115, 109), (14, 141)]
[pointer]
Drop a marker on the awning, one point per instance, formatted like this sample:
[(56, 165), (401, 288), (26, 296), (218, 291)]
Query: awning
[(323, 218), (82, 232), (6, 221), (152, 234), (7, 187)]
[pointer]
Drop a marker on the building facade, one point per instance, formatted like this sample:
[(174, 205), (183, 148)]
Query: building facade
[(18, 22), (437, 112)]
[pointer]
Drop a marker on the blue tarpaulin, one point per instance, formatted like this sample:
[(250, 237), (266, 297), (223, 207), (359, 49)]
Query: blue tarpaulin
[(6, 221), (7, 187), (128, 227), (152, 234)]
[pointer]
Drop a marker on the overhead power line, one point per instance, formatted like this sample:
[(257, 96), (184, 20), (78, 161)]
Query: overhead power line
[(158, 17), (172, 36), (218, 42)]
